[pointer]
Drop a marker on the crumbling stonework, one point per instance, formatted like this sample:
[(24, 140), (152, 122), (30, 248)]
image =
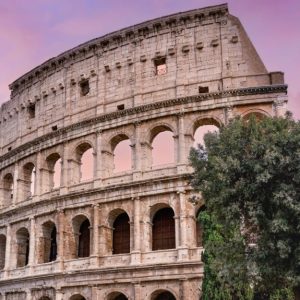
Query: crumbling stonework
[(95, 239)]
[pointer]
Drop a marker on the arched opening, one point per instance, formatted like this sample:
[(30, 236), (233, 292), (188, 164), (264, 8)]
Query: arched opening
[(84, 163), (44, 298), (162, 142), (84, 239), (201, 128), (77, 297), (121, 153), (164, 296), (163, 229), (29, 180), (121, 234), (2, 251), (8, 187), (254, 114), (117, 296), (199, 228), (48, 243), (81, 227), (54, 171), (22, 247)]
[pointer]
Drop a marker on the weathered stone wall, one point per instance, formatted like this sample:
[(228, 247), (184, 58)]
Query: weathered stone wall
[(94, 96)]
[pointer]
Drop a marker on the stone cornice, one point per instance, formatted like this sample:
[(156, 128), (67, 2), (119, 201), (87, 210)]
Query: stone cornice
[(146, 108), (111, 41)]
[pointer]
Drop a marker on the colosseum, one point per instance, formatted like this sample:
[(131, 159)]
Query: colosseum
[(73, 226)]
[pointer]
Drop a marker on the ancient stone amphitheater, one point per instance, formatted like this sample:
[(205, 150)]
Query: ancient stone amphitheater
[(130, 234)]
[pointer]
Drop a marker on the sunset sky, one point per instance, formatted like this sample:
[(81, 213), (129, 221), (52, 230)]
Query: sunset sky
[(32, 31)]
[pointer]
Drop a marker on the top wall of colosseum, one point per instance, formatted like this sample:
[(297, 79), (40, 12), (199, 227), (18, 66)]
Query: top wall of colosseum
[(199, 51)]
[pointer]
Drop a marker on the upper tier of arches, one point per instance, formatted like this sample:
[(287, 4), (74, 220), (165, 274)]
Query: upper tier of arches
[(111, 156)]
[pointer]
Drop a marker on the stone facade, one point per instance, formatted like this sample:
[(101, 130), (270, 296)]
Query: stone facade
[(175, 74)]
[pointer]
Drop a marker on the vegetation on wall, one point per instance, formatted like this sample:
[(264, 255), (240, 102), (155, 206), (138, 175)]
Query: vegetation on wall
[(249, 176)]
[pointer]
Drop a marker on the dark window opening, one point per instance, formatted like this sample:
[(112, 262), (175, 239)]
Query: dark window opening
[(203, 89), (54, 128), (121, 297), (22, 248), (84, 239), (163, 231), (84, 87), (31, 111), (199, 229), (121, 107), (53, 246), (9, 148), (165, 296), (160, 66), (121, 234)]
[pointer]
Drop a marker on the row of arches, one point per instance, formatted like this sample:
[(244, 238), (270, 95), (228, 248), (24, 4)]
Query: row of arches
[(163, 237), (120, 157), (157, 295)]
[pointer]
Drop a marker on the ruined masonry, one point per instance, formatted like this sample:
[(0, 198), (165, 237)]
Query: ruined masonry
[(130, 234)]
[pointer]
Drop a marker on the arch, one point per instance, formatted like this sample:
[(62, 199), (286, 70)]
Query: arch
[(163, 229), (199, 228), (121, 234), (48, 243), (122, 153), (45, 298), (116, 296), (257, 113), (22, 237), (77, 297), (163, 145), (201, 127), (81, 228), (54, 170), (29, 180), (82, 164), (85, 159), (8, 188), (162, 295), (2, 251)]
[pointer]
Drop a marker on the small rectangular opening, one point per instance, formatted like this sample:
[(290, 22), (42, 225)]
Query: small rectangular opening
[(121, 107), (203, 89), (54, 128), (31, 111), (9, 149), (160, 66), (84, 87)]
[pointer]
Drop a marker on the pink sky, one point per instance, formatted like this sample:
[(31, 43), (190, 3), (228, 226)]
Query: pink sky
[(32, 31)]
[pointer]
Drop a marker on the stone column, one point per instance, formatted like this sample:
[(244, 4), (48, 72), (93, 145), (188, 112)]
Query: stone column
[(137, 290), (177, 232), (64, 178), (8, 250), (95, 250), (28, 295), (31, 260), (182, 215), (15, 188), (137, 157), (181, 155), (183, 248), (60, 248), (136, 253), (98, 161), (185, 291), (39, 180), (59, 295), (279, 106)]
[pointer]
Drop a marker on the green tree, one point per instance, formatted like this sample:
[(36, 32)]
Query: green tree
[(249, 177)]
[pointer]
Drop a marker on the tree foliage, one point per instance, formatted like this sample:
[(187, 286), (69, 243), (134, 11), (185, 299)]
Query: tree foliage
[(249, 177)]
